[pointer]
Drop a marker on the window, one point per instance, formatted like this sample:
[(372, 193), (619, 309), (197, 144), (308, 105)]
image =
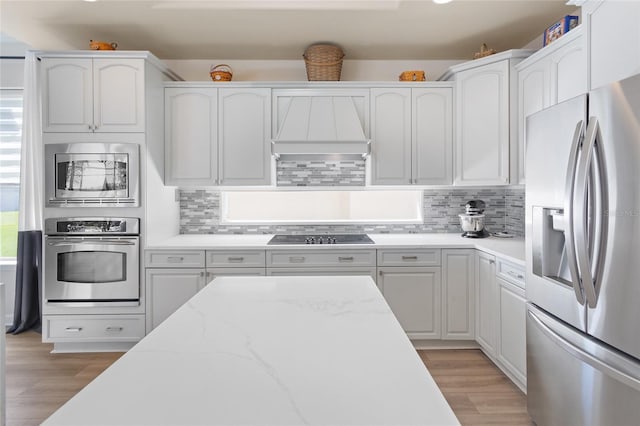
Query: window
[(307, 207), (10, 141)]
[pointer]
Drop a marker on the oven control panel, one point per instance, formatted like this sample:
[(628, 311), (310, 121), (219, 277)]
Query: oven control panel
[(92, 226)]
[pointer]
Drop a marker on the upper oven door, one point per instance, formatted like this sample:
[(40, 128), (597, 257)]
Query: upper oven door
[(92, 269), (92, 174)]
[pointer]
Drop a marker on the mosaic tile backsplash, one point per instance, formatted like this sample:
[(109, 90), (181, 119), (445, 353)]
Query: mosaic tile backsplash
[(320, 173), (200, 214)]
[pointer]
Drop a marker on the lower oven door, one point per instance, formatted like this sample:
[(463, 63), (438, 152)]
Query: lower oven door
[(92, 270)]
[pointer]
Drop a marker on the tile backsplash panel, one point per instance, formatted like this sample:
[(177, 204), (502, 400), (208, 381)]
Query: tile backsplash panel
[(200, 214), (320, 173)]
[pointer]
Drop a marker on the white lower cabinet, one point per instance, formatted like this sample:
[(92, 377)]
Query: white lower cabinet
[(512, 342), (92, 328), (168, 289), (486, 302), (458, 294), (413, 294)]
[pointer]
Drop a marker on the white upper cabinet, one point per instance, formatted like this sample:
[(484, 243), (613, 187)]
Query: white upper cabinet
[(217, 136), (613, 40), (93, 94), (391, 136), (412, 136), (554, 74), (432, 136), (191, 136), (244, 136), (482, 140)]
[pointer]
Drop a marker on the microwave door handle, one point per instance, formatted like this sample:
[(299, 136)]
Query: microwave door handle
[(569, 229), (581, 212)]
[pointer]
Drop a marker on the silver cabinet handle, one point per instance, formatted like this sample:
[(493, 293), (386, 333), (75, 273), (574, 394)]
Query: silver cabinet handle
[(492, 262), (114, 329), (515, 275), (296, 259), (235, 259), (380, 273), (175, 259), (409, 257), (345, 258), (73, 329), (202, 274), (90, 126)]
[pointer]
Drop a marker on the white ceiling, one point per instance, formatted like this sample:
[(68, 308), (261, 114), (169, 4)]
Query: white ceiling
[(265, 29)]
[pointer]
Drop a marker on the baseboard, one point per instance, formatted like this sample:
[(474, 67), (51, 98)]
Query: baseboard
[(62, 348), (444, 344)]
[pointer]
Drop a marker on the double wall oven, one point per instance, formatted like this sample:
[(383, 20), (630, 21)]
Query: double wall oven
[(92, 261)]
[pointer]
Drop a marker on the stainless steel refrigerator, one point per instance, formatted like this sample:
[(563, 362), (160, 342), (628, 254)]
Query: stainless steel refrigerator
[(583, 259)]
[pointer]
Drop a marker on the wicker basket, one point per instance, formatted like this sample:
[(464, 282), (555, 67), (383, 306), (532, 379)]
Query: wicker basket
[(323, 62), (412, 76), (221, 72), (484, 51)]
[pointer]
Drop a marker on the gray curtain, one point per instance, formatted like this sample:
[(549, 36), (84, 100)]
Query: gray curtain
[(27, 314), (27, 310)]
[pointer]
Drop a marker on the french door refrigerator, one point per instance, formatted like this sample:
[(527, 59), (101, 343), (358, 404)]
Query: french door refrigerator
[(583, 259)]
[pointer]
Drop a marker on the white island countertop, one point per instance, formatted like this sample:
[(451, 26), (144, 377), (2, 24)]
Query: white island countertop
[(511, 249), (268, 351)]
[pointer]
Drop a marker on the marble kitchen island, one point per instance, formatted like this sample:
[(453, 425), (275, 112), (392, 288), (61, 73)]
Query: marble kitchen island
[(268, 351)]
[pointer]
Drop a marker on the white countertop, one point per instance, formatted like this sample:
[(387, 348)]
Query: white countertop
[(511, 249), (268, 351)]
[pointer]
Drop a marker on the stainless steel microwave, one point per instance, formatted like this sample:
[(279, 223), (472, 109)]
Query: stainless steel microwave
[(92, 174)]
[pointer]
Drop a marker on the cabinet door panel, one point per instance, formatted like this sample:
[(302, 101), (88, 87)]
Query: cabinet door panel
[(67, 95), (486, 303), (191, 155), (432, 136), (614, 41), (482, 141), (244, 136), (168, 289), (512, 334), (118, 91), (533, 94), (391, 136), (414, 297), (458, 298), (568, 73)]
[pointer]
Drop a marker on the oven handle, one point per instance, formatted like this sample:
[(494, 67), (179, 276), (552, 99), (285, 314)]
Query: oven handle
[(94, 241)]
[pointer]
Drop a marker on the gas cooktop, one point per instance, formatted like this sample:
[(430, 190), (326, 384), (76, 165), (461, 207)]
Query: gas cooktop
[(321, 239)]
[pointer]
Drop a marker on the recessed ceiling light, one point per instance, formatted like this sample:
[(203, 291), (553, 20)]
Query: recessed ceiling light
[(441, 1), (91, 1)]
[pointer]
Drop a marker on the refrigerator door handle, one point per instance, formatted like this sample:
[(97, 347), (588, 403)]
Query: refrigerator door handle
[(612, 367), (569, 230), (599, 215), (581, 210)]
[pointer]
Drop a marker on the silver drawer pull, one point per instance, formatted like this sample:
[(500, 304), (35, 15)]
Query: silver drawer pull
[(345, 258), (73, 329), (409, 257), (235, 259), (118, 329), (296, 259), (515, 275), (175, 259)]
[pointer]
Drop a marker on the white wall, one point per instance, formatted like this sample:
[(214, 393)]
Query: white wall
[(294, 70), (8, 278)]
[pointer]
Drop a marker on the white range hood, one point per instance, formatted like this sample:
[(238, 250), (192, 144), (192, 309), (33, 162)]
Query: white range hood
[(325, 127)]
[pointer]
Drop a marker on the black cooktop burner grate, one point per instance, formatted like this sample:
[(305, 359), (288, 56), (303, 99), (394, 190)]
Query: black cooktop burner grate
[(321, 239)]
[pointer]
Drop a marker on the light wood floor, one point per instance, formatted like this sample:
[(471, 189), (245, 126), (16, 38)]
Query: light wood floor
[(39, 382)]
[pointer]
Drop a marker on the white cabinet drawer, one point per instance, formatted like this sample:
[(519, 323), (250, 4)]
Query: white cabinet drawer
[(230, 259), (320, 271), (510, 272), (416, 257), (304, 258), (93, 328), (174, 259)]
